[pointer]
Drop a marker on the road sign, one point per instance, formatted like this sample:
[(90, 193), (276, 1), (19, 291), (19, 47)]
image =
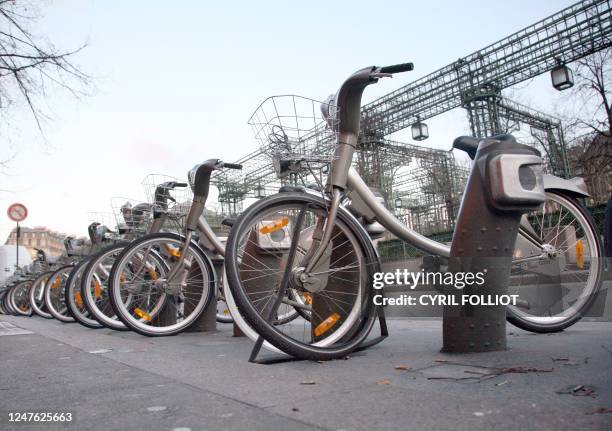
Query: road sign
[(17, 212)]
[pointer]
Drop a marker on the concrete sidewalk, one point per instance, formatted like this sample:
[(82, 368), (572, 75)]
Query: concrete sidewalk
[(122, 381)]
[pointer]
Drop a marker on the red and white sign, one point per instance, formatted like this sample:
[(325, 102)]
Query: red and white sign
[(17, 212)]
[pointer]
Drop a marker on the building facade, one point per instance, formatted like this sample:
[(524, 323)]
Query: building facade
[(41, 238)]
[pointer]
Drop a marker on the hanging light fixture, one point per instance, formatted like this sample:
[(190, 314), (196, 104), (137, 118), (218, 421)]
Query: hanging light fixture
[(420, 130), (562, 77), (398, 203), (260, 191)]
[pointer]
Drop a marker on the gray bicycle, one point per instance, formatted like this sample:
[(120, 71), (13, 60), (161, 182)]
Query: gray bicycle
[(313, 250)]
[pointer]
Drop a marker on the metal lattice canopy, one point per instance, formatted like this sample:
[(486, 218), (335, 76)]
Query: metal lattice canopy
[(474, 82)]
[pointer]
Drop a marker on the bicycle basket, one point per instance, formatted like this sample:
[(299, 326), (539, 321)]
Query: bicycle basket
[(131, 215), (175, 201), (103, 218), (294, 133)]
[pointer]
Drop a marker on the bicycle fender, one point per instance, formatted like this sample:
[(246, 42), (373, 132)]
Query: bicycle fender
[(574, 186)]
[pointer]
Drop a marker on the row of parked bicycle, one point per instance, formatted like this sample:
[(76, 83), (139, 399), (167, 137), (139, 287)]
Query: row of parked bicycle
[(296, 272)]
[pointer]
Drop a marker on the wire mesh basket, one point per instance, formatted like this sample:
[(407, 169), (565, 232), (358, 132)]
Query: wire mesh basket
[(298, 133), (103, 218), (132, 216), (174, 201)]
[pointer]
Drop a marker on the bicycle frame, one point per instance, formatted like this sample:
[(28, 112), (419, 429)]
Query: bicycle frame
[(389, 221), (360, 191), (344, 178)]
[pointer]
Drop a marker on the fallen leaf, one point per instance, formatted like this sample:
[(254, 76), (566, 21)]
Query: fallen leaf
[(384, 382), (501, 383), (403, 367), (308, 382)]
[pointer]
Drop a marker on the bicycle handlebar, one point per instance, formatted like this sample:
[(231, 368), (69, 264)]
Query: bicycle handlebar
[(232, 166), (397, 68)]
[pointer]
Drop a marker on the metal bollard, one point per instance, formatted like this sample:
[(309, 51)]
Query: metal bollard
[(505, 182)]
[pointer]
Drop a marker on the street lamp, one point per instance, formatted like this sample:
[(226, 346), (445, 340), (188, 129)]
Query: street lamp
[(420, 131), (562, 77)]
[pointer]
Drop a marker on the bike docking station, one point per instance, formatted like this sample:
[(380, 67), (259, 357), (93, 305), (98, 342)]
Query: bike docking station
[(505, 183)]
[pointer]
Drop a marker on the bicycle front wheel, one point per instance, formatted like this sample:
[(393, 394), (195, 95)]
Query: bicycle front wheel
[(95, 290), (266, 252), (146, 300), (74, 297), (54, 293), (20, 298), (557, 265), (37, 299)]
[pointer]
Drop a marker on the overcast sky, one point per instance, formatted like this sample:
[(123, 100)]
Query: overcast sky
[(177, 81)]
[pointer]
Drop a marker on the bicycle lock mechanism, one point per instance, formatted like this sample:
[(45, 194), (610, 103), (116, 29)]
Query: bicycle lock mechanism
[(505, 182)]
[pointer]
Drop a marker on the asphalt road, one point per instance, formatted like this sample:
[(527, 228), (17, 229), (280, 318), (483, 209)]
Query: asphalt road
[(122, 381)]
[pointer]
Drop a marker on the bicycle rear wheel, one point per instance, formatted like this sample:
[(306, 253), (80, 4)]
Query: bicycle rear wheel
[(557, 265), (267, 249)]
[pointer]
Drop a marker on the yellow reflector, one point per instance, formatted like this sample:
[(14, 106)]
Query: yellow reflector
[(174, 251), (143, 314), (580, 254), (98, 288), (56, 283), (308, 298), (78, 299), (326, 325), (226, 312), (274, 227), (153, 273)]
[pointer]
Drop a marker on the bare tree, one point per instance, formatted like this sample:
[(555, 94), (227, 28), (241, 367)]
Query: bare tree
[(594, 90), (31, 67)]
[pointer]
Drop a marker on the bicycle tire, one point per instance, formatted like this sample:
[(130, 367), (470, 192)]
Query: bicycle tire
[(260, 324), (73, 295), (515, 318), (115, 282), (63, 272), (39, 284), (88, 279)]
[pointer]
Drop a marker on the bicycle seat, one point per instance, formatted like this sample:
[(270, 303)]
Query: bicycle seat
[(467, 144), (229, 221), (470, 144)]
